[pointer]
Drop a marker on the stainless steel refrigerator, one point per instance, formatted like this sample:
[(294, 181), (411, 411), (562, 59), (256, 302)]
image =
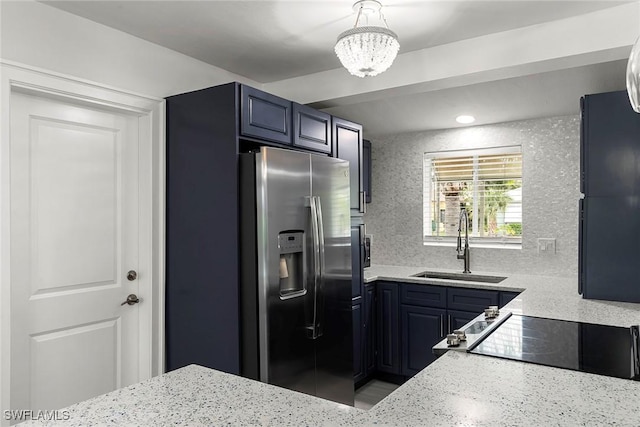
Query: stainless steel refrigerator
[(296, 272)]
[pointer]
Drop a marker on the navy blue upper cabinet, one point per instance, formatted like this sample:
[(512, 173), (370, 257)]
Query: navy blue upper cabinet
[(610, 151), (312, 129), (366, 169), (347, 145), (265, 116)]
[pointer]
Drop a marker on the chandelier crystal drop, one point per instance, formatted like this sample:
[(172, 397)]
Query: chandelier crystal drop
[(367, 50), (633, 77)]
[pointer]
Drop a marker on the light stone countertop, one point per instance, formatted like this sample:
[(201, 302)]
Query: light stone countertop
[(543, 296), (199, 396), (457, 389)]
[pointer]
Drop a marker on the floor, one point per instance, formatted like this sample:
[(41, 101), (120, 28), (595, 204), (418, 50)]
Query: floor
[(373, 392)]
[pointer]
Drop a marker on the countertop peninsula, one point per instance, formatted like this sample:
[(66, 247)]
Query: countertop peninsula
[(457, 389)]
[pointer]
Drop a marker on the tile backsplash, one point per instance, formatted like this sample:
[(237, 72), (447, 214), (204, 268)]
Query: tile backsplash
[(551, 166)]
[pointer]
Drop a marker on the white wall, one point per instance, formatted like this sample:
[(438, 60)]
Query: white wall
[(42, 36), (37, 35)]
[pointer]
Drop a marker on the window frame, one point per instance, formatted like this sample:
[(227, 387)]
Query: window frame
[(476, 241)]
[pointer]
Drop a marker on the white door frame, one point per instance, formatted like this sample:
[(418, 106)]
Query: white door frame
[(150, 110)]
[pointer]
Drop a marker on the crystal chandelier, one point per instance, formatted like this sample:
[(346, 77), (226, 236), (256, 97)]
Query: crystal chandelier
[(367, 50), (633, 77)]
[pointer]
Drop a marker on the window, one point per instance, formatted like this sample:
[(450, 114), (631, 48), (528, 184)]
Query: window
[(486, 182)]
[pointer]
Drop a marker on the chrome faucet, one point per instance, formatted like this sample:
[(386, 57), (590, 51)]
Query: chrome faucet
[(463, 253)]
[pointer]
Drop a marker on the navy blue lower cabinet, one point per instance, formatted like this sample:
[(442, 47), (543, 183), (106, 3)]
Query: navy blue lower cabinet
[(457, 319), (506, 297), (369, 330), (358, 353), (388, 328), (472, 300), (422, 328)]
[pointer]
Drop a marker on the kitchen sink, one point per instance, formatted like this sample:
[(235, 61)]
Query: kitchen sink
[(467, 277)]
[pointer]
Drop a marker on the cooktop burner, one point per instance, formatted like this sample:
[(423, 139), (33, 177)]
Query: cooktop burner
[(587, 347)]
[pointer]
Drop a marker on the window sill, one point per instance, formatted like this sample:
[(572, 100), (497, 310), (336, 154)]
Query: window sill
[(474, 245)]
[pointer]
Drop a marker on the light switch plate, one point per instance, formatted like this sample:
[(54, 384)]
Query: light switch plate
[(547, 246)]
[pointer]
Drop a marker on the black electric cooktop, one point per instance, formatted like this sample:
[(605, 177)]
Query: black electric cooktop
[(586, 347)]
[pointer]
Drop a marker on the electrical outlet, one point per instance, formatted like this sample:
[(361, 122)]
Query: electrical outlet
[(547, 246)]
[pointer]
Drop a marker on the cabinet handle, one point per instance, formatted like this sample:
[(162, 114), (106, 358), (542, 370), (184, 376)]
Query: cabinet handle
[(364, 201), (441, 325), (449, 328)]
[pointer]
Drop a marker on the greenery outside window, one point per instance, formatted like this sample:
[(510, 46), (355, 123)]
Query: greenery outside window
[(486, 182)]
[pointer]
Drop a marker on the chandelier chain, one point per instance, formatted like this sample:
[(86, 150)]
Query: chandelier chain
[(358, 17)]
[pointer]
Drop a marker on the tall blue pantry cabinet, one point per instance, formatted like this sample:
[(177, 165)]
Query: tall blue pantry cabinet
[(609, 243)]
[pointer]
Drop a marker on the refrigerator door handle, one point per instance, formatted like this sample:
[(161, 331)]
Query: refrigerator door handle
[(319, 291), (315, 234)]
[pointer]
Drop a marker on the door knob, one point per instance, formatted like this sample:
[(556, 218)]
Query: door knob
[(131, 299), (132, 275)]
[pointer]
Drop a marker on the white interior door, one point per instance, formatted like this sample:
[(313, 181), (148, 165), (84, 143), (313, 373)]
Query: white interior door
[(74, 237)]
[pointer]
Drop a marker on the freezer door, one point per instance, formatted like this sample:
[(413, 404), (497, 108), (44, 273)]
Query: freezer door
[(285, 269), (611, 248), (334, 346)]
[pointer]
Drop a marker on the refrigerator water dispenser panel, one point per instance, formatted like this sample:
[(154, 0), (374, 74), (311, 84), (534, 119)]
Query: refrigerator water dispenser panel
[(292, 283)]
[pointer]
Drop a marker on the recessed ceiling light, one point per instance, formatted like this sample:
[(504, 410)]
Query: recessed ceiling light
[(465, 119)]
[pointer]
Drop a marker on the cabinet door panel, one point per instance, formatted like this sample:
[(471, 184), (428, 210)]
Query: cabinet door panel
[(366, 169), (347, 139), (265, 116), (358, 365), (506, 297), (312, 129), (357, 259), (422, 328), (388, 357), (609, 146), (457, 319), (369, 328)]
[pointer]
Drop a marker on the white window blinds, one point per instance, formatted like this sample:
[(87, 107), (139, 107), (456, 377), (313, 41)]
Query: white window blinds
[(486, 182)]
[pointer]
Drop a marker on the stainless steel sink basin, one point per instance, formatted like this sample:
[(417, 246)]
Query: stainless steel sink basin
[(469, 277)]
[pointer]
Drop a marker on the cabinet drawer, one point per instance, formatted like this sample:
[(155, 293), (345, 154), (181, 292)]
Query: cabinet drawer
[(473, 300), (265, 116), (423, 295)]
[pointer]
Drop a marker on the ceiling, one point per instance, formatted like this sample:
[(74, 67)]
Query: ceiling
[(287, 48)]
